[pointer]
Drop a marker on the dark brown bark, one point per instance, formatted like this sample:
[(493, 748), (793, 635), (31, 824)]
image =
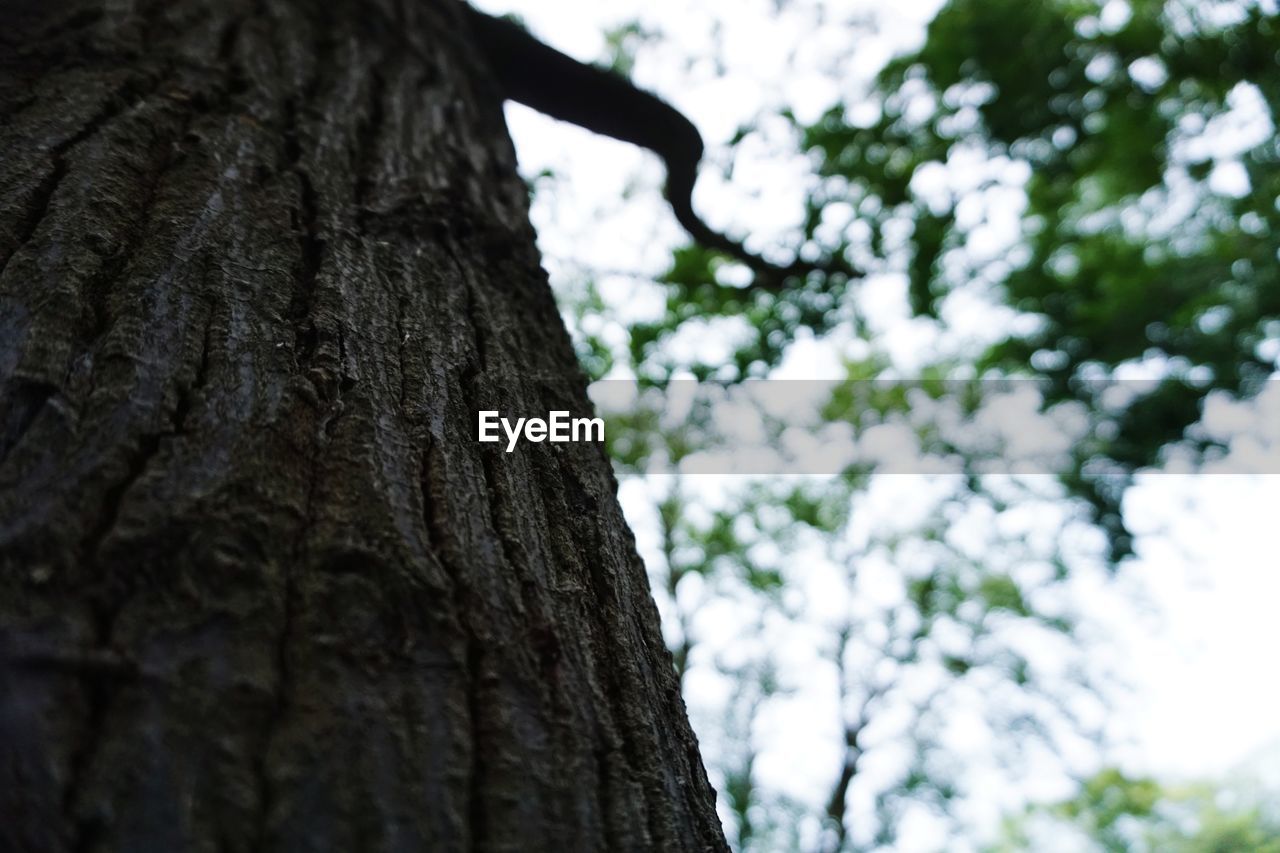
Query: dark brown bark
[(260, 588)]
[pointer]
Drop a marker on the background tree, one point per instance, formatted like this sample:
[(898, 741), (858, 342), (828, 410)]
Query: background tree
[(1098, 179), (1115, 812), (911, 639)]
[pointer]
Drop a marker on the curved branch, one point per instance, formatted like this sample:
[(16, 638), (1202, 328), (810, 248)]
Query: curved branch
[(603, 102)]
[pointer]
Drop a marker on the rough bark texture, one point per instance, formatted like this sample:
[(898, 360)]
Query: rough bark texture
[(260, 588)]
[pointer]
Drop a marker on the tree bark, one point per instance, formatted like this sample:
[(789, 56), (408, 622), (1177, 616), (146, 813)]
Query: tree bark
[(260, 587)]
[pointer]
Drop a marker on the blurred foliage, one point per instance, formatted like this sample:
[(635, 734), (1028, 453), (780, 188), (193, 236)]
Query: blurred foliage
[(1116, 812), (1133, 147), (909, 617), (622, 42), (1138, 151), (1129, 253)]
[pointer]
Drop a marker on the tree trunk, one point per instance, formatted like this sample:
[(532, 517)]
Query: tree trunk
[(260, 586)]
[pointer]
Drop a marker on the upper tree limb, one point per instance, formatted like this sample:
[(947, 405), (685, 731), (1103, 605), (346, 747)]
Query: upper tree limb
[(601, 101)]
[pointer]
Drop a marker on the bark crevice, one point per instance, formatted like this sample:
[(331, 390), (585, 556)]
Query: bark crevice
[(124, 97), (434, 487)]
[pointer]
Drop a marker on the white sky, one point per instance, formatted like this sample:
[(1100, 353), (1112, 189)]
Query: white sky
[(1205, 662), (1200, 655)]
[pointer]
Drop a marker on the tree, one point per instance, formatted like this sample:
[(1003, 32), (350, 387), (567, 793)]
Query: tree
[(1100, 176), (262, 589), (915, 642), (1117, 812), (1134, 144)]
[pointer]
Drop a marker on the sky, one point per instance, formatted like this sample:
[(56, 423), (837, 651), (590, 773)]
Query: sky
[(1190, 622)]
